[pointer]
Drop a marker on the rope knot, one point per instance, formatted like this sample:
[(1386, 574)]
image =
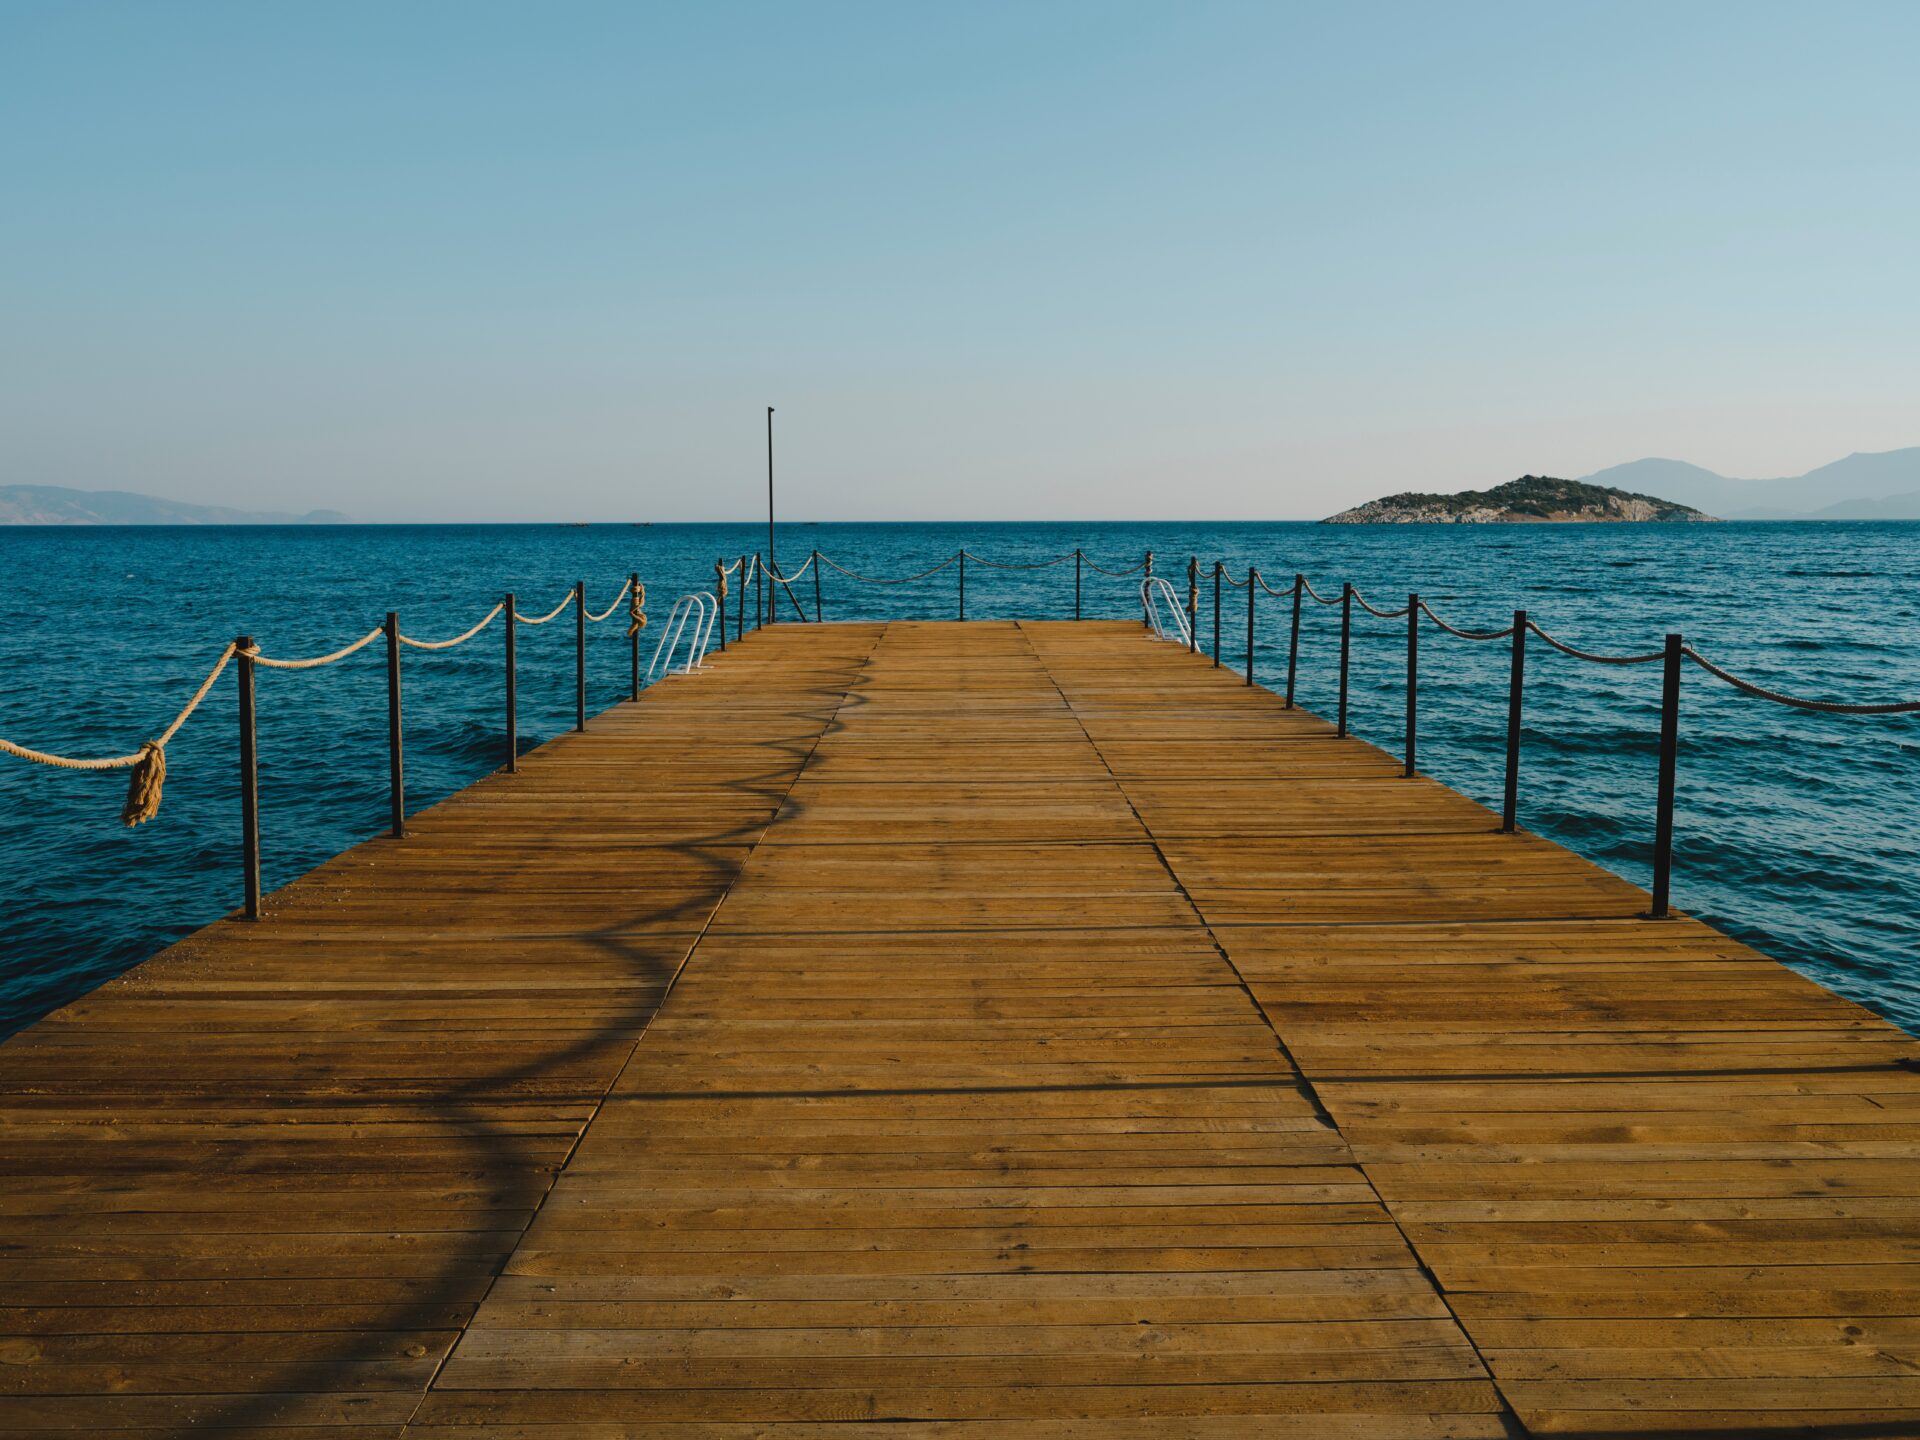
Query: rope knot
[(721, 571), (637, 610), (144, 784)]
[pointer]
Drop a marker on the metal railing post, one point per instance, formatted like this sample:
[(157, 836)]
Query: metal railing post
[(1218, 570), (1253, 577), (396, 765), (963, 582), (1669, 763), (1293, 641), (580, 655), (720, 597), (759, 599), (1146, 622), (513, 719), (1413, 678), (1516, 689), (1076, 582), (1346, 647), (740, 606), (816, 587), (249, 781), (633, 582)]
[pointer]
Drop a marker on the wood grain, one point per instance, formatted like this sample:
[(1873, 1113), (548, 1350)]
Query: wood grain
[(964, 1031)]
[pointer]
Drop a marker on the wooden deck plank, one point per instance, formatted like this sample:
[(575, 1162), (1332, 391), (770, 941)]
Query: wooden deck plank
[(1071, 1041)]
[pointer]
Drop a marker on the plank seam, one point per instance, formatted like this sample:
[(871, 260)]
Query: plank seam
[(1508, 1416), (666, 994)]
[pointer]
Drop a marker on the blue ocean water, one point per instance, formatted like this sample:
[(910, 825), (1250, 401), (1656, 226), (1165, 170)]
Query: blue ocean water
[(1797, 832)]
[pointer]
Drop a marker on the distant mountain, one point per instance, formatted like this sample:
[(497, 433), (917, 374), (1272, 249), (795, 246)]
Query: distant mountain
[(57, 505), (1884, 483), (1530, 498), (1889, 507)]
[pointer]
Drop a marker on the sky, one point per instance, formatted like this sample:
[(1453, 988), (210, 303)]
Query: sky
[(459, 260)]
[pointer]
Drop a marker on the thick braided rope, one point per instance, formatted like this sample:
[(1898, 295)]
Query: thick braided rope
[(789, 579), (458, 639), (1464, 634), (624, 586), (1307, 585), (552, 614), (1562, 645), (1117, 574), (1830, 707), (1374, 610), (903, 580), (1277, 594), (1006, 565), (121, 762), (317, 660)]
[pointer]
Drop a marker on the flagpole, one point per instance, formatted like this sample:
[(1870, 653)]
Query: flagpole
[(771, 566)]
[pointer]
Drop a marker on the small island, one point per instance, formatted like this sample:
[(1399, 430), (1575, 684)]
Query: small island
[(1537, 498)]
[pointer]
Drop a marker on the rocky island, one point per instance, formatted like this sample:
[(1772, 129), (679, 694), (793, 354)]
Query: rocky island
[(1530, 498)]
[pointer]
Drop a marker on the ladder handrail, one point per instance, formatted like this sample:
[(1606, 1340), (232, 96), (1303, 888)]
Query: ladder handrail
[(1152, 590)]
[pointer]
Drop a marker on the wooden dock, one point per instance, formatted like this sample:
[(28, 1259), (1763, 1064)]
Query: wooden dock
[(1015, 1030)]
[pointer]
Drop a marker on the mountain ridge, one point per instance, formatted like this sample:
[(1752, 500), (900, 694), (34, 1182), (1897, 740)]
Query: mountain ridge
[(61, 505), (1868, 484)]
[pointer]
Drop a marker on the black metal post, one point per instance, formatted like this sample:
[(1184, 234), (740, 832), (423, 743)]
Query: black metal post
[(1346, 647), (759, 598), (1253, 577), (773, 600), (740, 606), (580, 655), (1413, 678), (720, 595), (249, 782), (963, 582), (1076, 582), (1293, 643), (513, 719), (633, 583), (1669, 762), (1218, 570), (1146, 621), (396, 767), (816, 587), (1516, 688)]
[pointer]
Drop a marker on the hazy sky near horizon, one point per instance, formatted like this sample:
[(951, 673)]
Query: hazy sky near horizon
[(462, 260)]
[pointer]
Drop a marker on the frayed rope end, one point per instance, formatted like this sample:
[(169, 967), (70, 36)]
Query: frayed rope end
[(144, 785)]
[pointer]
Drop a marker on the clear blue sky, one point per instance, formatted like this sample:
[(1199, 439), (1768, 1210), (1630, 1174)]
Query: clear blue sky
[(468, 260)]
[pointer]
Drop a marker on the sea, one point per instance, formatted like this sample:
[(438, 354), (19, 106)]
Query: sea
[(1797, 832)]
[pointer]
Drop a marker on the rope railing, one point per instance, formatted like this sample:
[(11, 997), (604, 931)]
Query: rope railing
[(553, 614), (1579, 654), (149, 762), (1372, 609), (1675, 652), (625, 585), (1012, 565), (1825, 707), (1464, 634), (902, 580), (461, 638), (314, 662)]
